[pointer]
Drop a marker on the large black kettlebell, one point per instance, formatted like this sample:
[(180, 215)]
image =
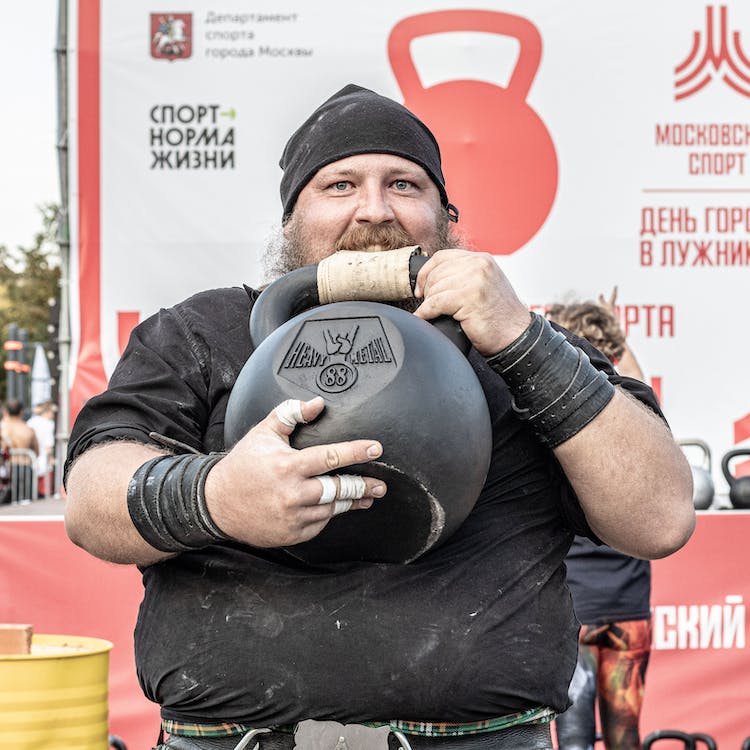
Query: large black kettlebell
[(739, 487), (386, 375)]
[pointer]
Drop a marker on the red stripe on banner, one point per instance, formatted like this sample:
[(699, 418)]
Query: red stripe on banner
[(742, 432), (742, 429), (90, 377), (126, 322), (656, 386)]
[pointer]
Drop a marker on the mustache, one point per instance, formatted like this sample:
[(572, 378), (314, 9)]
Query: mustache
[(379, 236)]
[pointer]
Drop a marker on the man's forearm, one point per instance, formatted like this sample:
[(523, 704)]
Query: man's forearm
[(633, 481), (96, 510)]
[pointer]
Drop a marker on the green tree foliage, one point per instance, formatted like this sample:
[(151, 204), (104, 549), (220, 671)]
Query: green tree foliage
[(29, 278)]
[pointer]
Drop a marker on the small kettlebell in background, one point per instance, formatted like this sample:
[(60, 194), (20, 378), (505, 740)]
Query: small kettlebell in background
[(688, 741), (703, 484), (739, 487)]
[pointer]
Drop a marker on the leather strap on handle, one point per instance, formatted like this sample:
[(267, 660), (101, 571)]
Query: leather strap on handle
[(364, 275)]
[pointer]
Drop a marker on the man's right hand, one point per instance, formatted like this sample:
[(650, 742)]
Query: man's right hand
[(267, 494)]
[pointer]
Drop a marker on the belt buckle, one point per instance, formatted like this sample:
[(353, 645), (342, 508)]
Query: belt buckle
[(248, 738), (331, 735)]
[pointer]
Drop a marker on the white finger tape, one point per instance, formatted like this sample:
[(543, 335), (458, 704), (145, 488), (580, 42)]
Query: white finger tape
[(329, 489), (352, 487), (341, 506), (290, 412)]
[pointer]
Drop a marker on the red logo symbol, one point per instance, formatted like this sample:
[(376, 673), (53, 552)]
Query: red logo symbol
[(171, 36), (498, 157), (742, 432), (713, 54)]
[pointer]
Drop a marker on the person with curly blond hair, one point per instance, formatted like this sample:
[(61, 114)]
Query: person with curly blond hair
[(594, 322)]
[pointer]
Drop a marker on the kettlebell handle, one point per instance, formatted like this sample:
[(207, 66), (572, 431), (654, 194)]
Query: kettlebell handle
[(704, 447), (706, 739), (298, 291), (725, 461), (688, 741), (442, 21)]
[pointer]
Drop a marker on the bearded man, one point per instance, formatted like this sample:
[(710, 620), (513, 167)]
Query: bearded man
[(469, 646)]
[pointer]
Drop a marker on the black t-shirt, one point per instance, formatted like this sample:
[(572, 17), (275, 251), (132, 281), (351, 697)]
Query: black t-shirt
[(480, 627), (607, 586)]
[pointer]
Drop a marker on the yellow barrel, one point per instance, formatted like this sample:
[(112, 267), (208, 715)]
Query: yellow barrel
[(56, 696)]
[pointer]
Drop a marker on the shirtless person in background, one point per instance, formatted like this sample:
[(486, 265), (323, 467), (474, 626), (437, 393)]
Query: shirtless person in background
[(16, 434)]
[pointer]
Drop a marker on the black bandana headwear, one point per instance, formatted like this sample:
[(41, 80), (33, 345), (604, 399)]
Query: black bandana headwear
[(358, 121)]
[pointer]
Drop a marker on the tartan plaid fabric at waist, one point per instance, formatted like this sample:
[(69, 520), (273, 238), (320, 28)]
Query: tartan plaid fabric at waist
[(420, 728)]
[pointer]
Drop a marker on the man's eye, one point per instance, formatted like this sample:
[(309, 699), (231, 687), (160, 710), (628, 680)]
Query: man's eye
[(341, 185), (402, 184)]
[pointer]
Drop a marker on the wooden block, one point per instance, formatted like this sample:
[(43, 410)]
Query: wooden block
[(15, 639)]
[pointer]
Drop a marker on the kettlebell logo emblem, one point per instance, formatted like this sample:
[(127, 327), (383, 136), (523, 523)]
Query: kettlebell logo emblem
[(330, 355), (499, 161)]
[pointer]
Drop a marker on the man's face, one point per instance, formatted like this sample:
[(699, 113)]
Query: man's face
[(362, 202)]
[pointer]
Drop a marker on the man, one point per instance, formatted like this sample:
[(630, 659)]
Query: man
[(18, 436), (474, 641)]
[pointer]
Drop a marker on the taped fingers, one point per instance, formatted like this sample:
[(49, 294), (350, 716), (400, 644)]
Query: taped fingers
[(341, 506), (341, 489), (289, 412), (351, 487), (329, 489)]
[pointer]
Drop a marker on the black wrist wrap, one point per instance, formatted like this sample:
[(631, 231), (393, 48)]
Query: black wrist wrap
[(554, 385), (167, 503)]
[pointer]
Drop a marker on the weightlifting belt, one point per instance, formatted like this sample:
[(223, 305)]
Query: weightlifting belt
[(329, 735)]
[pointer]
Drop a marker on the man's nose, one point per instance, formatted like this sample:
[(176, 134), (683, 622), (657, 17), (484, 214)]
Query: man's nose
[(374, 206)]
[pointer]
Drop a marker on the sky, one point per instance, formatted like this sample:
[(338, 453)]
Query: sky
[(28, 118)]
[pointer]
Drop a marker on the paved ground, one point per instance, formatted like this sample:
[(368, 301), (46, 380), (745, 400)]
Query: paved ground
[(45, 507)]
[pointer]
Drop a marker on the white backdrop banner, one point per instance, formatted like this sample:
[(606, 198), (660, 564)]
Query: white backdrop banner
[(587, 145)]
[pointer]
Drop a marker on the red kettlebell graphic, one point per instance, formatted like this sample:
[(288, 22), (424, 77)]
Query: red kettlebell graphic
[(499, 161)]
